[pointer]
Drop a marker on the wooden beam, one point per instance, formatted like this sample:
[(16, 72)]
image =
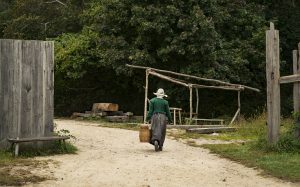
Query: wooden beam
[(168, 78), (218, 87), (289, 79), (273, 84), (193, 77)]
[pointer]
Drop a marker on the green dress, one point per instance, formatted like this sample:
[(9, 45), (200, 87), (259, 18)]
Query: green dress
[(158, 113)]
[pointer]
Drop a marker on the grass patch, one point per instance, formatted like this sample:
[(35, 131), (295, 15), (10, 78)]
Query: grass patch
[(52, 148), (282, 165), (16, 171)]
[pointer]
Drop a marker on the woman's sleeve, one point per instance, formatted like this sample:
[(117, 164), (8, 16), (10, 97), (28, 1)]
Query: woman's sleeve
[(168, 112), (150, 112)]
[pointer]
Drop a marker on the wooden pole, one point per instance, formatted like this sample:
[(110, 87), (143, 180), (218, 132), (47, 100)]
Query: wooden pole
[(146, 95), (296, 97), (197, 105), (239, 104), (273, 86), (191, 103), (235, 88), (235, 116), (168, 78), (296, 91), (193, 77)]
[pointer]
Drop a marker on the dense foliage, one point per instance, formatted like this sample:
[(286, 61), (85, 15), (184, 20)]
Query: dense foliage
[(221, 39)]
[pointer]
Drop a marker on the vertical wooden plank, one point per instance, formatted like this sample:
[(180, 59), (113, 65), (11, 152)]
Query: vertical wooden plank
[(17, 65), (146, 95), (191, 103), (26, 115), (273, 86), (8, 89), (49, 88)]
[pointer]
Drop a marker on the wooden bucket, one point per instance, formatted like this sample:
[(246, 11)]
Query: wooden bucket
[(144, 133)]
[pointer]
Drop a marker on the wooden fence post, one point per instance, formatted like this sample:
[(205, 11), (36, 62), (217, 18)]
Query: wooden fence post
[(273, 85), (191, 103), (296, 91)]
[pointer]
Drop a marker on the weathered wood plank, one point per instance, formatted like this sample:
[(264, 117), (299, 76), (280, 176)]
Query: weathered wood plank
[(211, 130), (49, 97), (48, 138), (192, 126), (26, 115), (273, 85), (289, 79), (17, 88), (22, 94)]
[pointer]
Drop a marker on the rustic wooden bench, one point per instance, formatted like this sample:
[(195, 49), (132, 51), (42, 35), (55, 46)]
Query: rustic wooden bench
[(17, 141)]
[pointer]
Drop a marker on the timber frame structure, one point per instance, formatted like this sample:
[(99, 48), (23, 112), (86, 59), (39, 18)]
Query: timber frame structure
[(222, 85)]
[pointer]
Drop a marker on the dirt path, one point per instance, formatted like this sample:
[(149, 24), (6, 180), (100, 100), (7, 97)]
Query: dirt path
[(114, 157)]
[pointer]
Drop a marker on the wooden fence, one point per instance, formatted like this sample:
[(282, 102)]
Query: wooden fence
[(274, 80), (26, 89)]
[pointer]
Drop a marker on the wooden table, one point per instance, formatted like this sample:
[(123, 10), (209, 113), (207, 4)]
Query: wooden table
[(173, 110)]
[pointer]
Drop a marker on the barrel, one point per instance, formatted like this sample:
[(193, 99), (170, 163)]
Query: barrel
[(144, 133)]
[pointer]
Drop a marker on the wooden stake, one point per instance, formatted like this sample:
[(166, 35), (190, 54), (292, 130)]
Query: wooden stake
[(197, 105), (239, 104), (296, 91), (146, 95), (191, 103), (273, 86), (296, 97)]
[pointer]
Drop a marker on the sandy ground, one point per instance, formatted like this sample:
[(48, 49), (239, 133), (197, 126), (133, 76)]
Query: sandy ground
[(114, 157)]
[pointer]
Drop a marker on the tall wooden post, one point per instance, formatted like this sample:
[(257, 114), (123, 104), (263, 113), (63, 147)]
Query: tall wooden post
[(197, 105), (191, 103), (273, 85), (296, 91), (239, 104), (296, 94), (146, 95)]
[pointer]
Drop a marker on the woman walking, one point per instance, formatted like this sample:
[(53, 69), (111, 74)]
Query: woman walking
[(159, 113)]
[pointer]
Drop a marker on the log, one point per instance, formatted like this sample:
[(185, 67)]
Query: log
[(107, 107)]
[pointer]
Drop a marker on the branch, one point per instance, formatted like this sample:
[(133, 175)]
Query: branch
[(56, 1)]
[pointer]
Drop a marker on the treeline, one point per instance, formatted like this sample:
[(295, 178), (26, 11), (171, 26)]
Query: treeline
[(220, 39)]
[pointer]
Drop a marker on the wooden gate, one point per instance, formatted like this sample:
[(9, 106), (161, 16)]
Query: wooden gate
[(26, 89)]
